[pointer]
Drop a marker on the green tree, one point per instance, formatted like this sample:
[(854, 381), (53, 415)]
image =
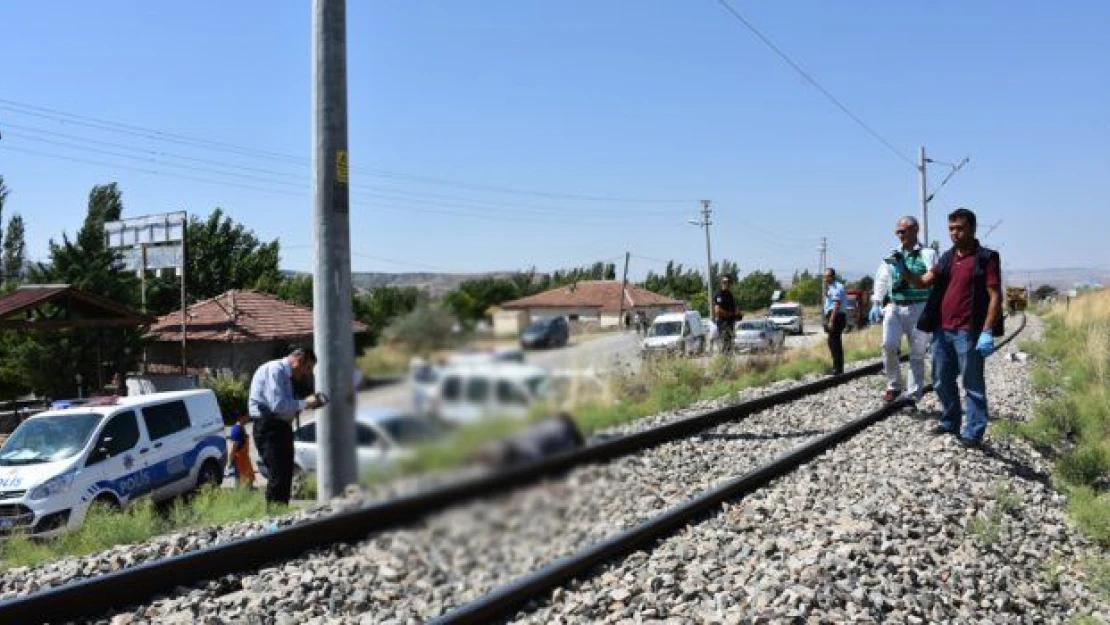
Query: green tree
[(378, 307), (15, 255), (221, 255), (296, 288), (679, 283), (806, 289), (473, 298), (754, 290), (1042, 292), (48, 362), (422, 330)]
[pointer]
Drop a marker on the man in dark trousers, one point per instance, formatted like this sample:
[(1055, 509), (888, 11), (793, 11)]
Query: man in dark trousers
[(272, 408), (724, 311), (836, 304), (964, 313)]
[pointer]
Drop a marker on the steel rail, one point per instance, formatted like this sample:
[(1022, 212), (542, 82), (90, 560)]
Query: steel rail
[(501, 601)]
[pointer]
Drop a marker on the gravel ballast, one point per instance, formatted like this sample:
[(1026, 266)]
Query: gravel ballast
[(895, 526)]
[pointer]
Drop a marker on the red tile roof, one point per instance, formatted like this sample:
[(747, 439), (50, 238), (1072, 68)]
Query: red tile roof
[(240, 317), (603, 294)]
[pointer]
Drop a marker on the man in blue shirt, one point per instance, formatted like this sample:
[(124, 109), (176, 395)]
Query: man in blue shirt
[(273, 407), (836, 303)]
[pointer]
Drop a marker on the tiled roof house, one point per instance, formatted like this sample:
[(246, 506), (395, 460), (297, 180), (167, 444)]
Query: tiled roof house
[(234, 332)]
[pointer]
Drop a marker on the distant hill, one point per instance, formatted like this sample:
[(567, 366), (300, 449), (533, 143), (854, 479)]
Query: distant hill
[(1061, 278), (435, 284)]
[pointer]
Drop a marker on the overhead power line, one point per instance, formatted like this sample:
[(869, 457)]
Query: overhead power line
[(813, 81), (106, 125)]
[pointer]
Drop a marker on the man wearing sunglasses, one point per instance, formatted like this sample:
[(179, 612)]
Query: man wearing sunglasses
[(900, 305)]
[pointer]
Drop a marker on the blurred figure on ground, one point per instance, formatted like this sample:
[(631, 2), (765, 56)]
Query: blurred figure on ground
[(836, 303), (627, 321), (900, 305), (546, 437), (964, 313), (725, 314), (239, 463), (272, 408)]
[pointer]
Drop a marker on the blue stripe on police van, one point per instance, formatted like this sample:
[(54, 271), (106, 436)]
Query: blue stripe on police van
[(145, 480)]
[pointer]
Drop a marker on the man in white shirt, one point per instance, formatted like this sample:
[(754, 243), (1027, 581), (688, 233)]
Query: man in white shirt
[(272, 408), (900, 305)]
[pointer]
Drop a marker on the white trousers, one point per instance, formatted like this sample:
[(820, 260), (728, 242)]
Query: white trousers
[(901, 320)]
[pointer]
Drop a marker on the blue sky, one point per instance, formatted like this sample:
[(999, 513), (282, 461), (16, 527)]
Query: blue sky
[(493, 135)]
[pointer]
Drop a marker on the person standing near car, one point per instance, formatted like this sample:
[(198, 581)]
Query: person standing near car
[(272, 408), (964, 313), (836, 303), (239, 456), (900, 304), (725, 314)]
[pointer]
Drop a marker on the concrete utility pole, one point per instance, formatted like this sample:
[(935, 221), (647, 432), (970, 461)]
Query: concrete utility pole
[(924, 197), (624, 285), (927, 197), (824, 250), (331, 289), (705, 223)]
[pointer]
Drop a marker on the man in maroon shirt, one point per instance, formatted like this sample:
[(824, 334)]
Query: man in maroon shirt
[(964, 313)]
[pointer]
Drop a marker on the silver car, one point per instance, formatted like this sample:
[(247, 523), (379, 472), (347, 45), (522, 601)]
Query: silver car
[(759, 334)]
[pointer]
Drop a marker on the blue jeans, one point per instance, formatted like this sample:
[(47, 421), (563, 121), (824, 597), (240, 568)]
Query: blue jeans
[(954, 354)]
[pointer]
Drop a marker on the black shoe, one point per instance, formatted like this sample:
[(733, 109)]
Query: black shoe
[(968, 443), (940, 430)]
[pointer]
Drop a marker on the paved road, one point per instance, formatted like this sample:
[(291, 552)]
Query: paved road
[(600, 352)]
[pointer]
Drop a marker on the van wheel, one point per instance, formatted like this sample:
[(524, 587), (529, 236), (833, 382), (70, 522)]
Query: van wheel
[(209, 475)]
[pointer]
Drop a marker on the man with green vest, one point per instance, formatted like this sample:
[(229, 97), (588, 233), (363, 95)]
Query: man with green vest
[(900, 305)]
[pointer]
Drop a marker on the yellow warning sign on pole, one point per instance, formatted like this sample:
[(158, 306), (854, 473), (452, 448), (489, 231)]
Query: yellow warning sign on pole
[(342, 171)]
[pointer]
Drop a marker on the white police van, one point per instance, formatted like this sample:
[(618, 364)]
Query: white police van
[(108, 451)]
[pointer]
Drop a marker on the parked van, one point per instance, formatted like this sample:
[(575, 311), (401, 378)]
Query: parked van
[(467, 393), (676, 333), (108, 451), (788, 316)]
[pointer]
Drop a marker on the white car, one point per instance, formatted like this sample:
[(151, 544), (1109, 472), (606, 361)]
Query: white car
[(59, 462), (467, 393), (383, 436), (758, 335), (788, 316), (676, 333)]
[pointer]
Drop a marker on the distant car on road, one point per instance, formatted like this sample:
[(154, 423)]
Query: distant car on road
[(383, 436), (546, 332), (676, 333), (466, 393), (788, 316), (759, 335)]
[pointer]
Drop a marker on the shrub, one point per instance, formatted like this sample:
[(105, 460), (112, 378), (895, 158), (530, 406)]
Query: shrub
[(232, 393), (1084, 465)]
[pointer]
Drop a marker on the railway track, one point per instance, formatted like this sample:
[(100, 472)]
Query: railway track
[(337, 538)]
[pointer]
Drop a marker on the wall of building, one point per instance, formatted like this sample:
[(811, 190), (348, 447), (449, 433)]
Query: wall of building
[(217, 356)]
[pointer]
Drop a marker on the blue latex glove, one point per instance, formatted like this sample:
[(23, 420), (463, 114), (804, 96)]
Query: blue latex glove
[(985, 346), (876, 312)]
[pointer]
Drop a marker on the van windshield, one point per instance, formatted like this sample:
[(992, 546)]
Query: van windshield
[(665, 328), (47, 439), (784, 311)]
